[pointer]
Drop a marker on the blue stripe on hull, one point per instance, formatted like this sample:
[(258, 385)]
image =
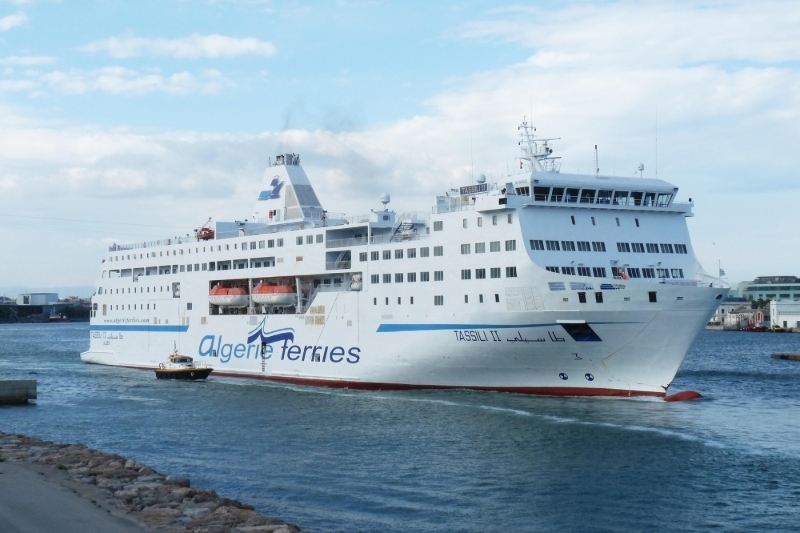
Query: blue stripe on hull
[(393, 328), (145, 327)]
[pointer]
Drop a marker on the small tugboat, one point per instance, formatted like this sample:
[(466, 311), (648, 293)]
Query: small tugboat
[(182, 367)]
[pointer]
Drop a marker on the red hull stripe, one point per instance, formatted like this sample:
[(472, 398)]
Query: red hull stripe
[(358, 385)]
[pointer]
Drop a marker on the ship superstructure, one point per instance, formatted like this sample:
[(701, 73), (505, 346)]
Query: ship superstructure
[(543, 283)]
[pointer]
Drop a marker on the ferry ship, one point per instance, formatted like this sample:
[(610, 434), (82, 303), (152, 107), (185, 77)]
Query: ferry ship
[(542, 283)]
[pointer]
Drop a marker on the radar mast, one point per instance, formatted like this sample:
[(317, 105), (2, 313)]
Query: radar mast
[(536, 151)]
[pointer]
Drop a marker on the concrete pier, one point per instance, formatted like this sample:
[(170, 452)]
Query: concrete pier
[(15, 392)]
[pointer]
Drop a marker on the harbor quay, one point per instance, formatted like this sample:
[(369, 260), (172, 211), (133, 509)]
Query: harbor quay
[(88, 490)]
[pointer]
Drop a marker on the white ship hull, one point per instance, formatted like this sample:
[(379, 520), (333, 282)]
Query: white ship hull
[(532, 292), (528, 352)]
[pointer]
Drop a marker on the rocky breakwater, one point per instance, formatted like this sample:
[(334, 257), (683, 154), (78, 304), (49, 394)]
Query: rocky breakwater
[(155, 501)]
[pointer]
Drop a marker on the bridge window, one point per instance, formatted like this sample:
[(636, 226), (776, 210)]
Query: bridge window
[(540, 193), (649, 199), (587, 196), (636, 198), (678, 273), (604, 197), (557, 195), (621, 197), (571, 196)]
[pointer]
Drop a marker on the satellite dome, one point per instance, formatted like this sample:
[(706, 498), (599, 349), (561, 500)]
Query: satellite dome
[(482, 178), (385, 198)]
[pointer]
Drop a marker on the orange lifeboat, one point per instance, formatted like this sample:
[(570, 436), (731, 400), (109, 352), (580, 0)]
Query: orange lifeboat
[(274, 295), (228, 297)]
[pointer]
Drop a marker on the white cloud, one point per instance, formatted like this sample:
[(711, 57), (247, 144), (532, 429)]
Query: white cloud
[(27, 60), (15, 86), (119, 80), (192, 47), (651, 33), (12, 21), (726, 134)]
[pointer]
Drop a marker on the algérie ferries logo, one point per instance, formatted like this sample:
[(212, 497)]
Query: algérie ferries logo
[(260, 345)]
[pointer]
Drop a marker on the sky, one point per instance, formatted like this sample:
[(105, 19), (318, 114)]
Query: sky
[(129, 121)]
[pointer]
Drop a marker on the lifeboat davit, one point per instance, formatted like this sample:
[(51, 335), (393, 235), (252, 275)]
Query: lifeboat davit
[(274, 295), (228, 297)]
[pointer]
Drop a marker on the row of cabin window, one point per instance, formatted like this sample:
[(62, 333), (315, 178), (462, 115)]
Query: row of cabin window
[(309, 240), (568, 246), (410, 253), (616, 272), (603, 196), (438, 225), (271, 243), (652, 248), (438, 275), (494, 246), (437, 300), (100, 290), (141, 307)]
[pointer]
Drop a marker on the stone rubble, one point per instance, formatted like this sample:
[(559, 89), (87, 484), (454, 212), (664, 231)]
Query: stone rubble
[(160, 503)]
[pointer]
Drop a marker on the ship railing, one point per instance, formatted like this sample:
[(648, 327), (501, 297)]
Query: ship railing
[(374, 239), (413, 216), (337, 265), (439, 209), (151, 244), (683, 282)]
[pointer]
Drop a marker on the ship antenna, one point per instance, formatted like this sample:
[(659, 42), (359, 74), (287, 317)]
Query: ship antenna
[(596, 164)]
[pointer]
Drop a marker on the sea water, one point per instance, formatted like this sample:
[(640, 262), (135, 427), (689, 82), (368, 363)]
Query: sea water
[(445, 461)]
